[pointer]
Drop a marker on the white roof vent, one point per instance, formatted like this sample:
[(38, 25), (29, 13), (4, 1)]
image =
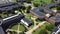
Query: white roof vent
[(24, 22), (47, 15)]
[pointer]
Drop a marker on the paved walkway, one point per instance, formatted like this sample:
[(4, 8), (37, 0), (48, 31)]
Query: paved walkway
[(27, 4), (15, 30), (35, 27)]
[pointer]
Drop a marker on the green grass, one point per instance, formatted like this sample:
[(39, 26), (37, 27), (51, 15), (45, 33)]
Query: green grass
[(37, 31), (22, 28), (27, 15), (15, 27), (47, 1), (42, 29), (38, 2), (3, 15)]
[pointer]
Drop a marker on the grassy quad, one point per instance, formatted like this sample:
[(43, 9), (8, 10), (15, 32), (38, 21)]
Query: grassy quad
[(21, 27)]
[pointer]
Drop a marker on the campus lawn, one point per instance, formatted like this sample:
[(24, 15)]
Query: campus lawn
[(15, 27), (43, 29), (21, 27)]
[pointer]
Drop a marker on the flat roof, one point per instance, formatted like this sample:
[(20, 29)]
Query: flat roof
[(1, 30), (27, 21)]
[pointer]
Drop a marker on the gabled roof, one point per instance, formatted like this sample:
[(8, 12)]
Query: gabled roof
[(38, 12), (46, 9), (7, 7)]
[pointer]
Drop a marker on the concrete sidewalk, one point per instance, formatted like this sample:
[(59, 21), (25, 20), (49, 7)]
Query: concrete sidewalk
[(35, 27)]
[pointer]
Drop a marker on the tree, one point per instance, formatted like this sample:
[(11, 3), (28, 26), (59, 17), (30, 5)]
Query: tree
[(49, 27), (43, 31), (29, 1), (37, 2)]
